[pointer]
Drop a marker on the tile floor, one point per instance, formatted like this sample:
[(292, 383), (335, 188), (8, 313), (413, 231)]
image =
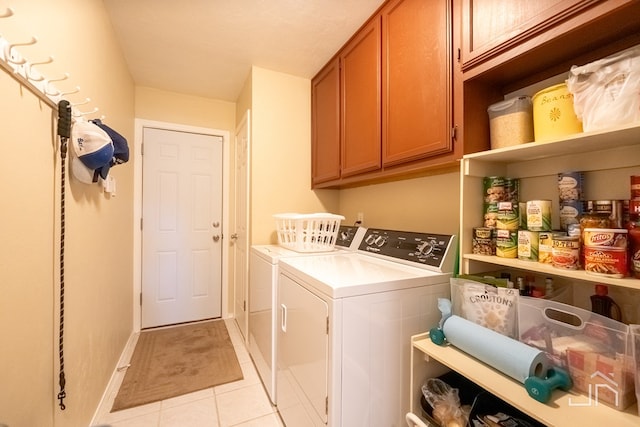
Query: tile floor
[(239, 404)]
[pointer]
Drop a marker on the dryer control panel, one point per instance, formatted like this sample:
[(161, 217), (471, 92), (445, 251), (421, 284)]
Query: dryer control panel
[(433, 251)]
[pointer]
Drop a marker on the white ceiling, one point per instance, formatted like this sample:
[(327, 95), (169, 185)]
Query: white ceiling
[(207, 47)]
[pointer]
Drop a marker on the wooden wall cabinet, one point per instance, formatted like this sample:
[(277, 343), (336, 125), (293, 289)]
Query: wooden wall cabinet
[(325, 124), (360, 69), (417, 81), (395, 98)]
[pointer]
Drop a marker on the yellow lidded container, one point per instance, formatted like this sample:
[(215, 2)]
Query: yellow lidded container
[(553, 113)]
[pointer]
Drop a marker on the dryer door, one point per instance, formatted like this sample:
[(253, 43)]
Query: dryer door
[(302, 355)]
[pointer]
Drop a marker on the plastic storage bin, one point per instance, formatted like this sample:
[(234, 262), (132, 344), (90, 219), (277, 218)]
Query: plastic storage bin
[(635, 336), (553, 113), (511, 122), (595, 350), (308, 232)]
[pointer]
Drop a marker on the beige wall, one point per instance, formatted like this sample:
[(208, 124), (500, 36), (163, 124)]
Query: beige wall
[(171, 107), (428, 204), (281, 152), (98, 249)]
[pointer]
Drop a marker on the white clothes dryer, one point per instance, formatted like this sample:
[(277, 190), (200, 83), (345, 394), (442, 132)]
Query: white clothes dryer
[(263, 275), (344, 326)]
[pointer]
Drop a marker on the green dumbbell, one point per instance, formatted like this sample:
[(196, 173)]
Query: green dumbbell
[(437, 336), (540, 388)]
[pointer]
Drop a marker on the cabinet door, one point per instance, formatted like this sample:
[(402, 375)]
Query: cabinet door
[(491, 27), (303, 355), (416, 76), (325, 123), (360, 78)]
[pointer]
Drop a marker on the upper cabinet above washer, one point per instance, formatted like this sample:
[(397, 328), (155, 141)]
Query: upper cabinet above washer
[(395, 89)]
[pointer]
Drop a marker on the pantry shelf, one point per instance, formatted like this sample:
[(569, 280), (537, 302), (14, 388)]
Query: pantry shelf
[(546, 269), (616, 137), (564, 408)]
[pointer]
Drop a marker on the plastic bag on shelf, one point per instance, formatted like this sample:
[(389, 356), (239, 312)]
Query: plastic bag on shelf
[(606, 92), (445, 402)]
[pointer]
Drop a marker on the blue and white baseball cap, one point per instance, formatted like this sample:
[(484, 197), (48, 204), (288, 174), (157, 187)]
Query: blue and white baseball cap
[(91, 144), (120, 148)]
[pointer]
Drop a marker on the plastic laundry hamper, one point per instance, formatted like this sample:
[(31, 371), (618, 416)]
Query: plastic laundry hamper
[(308, 232)]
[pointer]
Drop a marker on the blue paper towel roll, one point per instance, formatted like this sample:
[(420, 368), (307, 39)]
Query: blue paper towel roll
[(511, 357)]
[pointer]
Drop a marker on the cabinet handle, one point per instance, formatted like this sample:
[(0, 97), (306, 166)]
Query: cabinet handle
[(283, 322)]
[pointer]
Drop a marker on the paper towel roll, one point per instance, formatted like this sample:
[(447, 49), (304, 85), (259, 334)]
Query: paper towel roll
[(511, 357)]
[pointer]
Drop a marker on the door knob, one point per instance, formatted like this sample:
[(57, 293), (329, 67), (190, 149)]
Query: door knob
[(234, 236), (216, 238), (215, 224)]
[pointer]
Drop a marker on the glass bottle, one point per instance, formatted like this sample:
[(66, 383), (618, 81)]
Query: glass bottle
[(601, 303), (597, 214)]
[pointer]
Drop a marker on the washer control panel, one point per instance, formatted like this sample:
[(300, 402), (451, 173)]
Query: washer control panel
[(349, 237), (433, 251)]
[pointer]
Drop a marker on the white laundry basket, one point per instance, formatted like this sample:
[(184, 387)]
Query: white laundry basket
[(308, 232)]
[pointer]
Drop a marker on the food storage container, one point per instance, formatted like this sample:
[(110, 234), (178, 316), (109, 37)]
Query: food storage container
[(511, 122), (553, 114)]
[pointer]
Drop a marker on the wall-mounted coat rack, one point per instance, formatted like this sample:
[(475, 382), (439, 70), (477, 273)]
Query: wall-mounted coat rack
[(27, 74)]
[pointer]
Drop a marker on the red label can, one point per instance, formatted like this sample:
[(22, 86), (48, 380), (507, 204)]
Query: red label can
[(606, 261)]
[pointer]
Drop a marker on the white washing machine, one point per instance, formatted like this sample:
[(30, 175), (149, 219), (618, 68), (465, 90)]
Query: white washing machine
[(263, 276), (344, 327)]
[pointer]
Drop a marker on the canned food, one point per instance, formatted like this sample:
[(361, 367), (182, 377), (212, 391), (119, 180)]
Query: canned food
[(545, 247), (494, 189), (570, 212), (565, 253), (507, 243), (528, 243), (539, 215), (512, 190), (508, 216), (573, 230), (484, 241), (570, 186), (606, 261), (490, 215), (613, 237), (522, 207)]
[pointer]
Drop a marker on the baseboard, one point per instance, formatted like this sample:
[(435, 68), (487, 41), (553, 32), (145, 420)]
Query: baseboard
[(104, 406)]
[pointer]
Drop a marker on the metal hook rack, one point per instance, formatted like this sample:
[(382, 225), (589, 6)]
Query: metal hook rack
[(22, 70)]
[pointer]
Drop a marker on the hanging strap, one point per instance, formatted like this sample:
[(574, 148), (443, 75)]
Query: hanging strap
[(64, 131)]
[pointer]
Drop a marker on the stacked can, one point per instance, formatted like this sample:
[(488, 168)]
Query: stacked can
[(501, 216), (570, 191)]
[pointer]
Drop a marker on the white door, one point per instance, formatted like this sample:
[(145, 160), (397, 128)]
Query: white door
[(241, 246), (181, 227)]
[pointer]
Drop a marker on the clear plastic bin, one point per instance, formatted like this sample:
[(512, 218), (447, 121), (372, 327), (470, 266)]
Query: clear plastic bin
[(594, 349), (511, 122)]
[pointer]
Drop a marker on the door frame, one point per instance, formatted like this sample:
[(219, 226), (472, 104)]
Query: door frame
[(139, 125)]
